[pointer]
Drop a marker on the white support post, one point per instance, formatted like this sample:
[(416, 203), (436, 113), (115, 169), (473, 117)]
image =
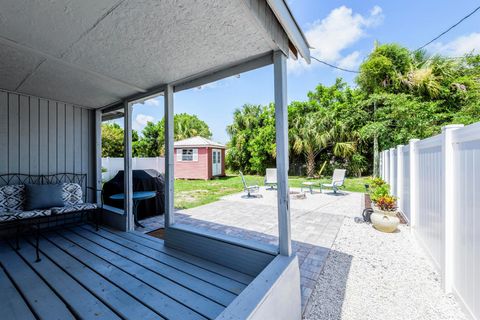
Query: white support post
[(413, 183), (98, 156), (392, 181), (127, 167), (399, 187), (281, 130), (449, 204), (169, 164)]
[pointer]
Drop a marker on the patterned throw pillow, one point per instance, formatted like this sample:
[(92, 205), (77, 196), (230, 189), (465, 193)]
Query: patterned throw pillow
[(72, 194), (12, 197)]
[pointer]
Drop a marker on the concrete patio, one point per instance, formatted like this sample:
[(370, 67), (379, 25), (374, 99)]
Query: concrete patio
[(315, 222)]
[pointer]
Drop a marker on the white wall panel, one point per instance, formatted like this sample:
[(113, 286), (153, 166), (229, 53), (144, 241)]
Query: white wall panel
[(466, 278), (431, 227), (405, 199), (393, 171)]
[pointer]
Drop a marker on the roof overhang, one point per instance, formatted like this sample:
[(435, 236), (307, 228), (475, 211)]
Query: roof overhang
[(99, 53), (291, 27)]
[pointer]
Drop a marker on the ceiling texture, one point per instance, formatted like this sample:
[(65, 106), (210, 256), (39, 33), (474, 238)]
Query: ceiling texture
[(94, 53)]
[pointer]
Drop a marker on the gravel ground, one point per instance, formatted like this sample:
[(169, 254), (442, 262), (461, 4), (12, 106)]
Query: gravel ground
[(374, 275)]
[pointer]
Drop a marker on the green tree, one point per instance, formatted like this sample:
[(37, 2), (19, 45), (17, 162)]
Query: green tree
[(152, 142), (314, 132), (112, 140), (189, 125), (252, 139), (400, 95)]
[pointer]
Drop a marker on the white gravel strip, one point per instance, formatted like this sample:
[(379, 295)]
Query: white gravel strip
[(375, 275)]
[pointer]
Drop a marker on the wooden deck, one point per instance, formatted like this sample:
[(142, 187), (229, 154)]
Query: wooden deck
[(109, 274)]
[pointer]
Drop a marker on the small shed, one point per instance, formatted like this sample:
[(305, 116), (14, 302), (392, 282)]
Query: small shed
[(199, 158)]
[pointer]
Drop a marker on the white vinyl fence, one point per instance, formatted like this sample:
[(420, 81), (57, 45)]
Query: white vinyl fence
[(437, 182), (113, 165)]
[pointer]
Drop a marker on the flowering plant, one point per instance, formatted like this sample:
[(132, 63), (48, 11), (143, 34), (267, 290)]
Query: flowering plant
[(386, 203)]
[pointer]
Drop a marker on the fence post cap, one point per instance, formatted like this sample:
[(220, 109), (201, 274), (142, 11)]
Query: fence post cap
[(451, 127), (413, 140)]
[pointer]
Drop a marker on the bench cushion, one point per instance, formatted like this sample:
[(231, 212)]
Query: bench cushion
[(72, 194), (12, 197), (12, 202), (20, 214), (73, 208)]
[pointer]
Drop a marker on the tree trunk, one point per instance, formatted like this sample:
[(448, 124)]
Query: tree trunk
[(310, 165)]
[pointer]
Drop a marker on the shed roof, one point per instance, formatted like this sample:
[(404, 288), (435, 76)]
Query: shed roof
[(96, 53), (198, 142)]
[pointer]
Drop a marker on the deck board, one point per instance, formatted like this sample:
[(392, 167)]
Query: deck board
[(161, 303), (11, 302), (216, 279), (158, 245), (195, 301), (82, 303), (202, 287), (125, 305), (86, 274), (44, 302)]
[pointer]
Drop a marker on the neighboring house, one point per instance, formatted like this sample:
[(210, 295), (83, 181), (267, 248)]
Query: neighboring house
[(199, 158)]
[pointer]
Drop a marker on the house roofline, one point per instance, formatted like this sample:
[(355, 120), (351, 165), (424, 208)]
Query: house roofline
[(295, 34)]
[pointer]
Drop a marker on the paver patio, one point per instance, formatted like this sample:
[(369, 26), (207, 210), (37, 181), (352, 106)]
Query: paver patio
[(315, 222)]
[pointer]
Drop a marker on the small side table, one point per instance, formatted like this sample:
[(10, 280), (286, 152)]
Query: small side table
[(136, 197)]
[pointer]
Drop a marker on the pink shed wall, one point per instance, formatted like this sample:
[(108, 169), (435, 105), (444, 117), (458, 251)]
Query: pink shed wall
[(192, 169), (201, 169)]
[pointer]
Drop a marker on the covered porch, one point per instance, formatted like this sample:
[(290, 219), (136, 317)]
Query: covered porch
[(109, 274), (65, 66)]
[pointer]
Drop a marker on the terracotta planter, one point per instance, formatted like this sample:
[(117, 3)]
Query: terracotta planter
[(385, 221)]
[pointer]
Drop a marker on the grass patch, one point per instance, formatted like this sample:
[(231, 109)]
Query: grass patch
[(194, 193)]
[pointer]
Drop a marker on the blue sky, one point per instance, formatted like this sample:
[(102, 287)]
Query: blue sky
[(342, 33)]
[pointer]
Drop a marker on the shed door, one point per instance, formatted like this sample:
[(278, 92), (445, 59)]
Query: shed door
[(216, 162)]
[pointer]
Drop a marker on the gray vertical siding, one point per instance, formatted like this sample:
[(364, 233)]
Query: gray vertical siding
[(39, 136)]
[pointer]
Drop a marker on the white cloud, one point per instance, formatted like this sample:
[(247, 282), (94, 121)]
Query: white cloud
[(459, 46), (141, 121), (351, 61), (155, 102), (337, 32)]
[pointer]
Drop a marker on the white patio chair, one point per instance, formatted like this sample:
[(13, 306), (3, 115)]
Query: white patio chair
[(271, 178), (248, 189), (338, 180)]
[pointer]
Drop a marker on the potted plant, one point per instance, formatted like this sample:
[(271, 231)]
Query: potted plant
[(384, 216)]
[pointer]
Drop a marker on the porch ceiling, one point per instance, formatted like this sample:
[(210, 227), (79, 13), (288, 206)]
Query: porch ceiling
[(96, 52)]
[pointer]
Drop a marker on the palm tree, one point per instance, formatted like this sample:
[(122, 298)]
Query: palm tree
[(314, 133), (427, 76)]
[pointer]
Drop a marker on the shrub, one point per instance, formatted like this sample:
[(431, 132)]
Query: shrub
[(376, 182), (386, 203), (380, 191)]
